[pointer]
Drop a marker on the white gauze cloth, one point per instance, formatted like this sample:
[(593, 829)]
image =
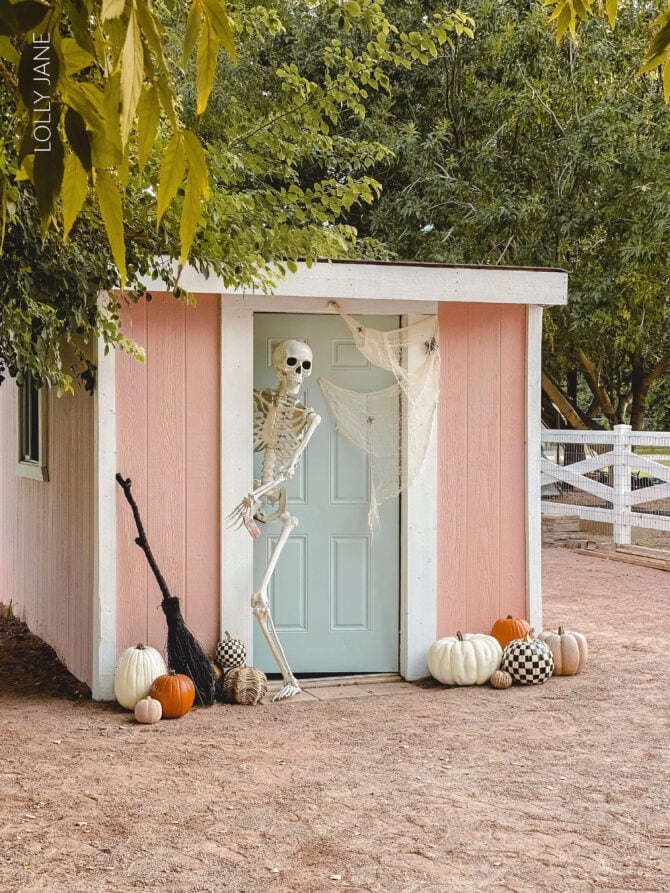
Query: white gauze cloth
[(373, 421)]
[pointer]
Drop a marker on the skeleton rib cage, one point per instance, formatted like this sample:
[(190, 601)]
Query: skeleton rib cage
[(279, 427)]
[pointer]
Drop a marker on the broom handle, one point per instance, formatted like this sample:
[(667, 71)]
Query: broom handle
[(141, 540)]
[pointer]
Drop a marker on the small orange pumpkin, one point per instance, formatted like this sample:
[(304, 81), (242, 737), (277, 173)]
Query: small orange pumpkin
[(176, 693), (509, 628)]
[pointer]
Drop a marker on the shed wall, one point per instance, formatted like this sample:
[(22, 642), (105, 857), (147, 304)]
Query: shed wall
[(168, 443), (46, 529), (481, 466)]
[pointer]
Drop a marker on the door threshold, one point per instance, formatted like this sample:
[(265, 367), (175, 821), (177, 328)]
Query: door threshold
[(328, 681)]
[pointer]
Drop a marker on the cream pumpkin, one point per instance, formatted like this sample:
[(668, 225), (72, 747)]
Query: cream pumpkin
[(468, 659), (569, 650), (148, 710), (136, 670)]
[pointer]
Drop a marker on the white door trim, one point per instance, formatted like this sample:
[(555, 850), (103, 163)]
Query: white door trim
[(418, 546), (533, 466)]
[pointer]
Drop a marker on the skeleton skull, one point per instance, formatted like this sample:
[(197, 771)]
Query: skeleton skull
[(292, 362)]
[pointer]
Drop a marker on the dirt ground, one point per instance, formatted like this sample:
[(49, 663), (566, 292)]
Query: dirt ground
[(556, 787)]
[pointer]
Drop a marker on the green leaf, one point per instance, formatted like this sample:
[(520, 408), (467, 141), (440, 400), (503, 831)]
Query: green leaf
[(215, 12), (132, 73), (190, 215), (18, 18), (75, 188), (612, 7), (77, 136), (111, 210), (208, 47), (112, 9), (148, 116), (48, 176), (171, 173)]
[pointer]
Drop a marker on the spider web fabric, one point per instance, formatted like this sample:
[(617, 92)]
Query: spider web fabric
[(373, 421)]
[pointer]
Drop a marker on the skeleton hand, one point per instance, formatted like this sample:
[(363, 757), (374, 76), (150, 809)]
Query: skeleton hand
[(287, 471), (243, 514)]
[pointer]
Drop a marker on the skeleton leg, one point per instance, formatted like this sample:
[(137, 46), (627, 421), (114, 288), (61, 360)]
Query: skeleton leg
[(261, 609)]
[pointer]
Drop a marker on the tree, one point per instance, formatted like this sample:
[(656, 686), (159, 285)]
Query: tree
[(85, 83), (284, 176), (511, 149), (565, 13)]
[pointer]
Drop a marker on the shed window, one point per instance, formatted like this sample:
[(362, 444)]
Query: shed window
[(32, 431)]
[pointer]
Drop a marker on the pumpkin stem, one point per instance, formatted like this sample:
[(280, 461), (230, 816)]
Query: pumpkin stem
[(510, 617), (459, 636), (228, 636), (561, 630), (140, 647), (530, 634)]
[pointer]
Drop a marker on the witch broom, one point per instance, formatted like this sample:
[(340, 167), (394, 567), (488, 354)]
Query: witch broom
[(185, 654)]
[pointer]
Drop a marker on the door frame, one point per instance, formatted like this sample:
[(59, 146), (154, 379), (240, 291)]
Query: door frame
[(418, 511)]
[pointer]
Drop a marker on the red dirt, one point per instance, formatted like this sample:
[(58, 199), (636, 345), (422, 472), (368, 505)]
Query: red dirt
[(557, 787)]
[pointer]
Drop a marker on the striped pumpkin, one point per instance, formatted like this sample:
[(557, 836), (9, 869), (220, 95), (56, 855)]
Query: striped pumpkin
[(244, 685)]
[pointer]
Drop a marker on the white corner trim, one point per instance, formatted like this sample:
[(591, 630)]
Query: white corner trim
[(237, 469), (533, 467), (104, 514)]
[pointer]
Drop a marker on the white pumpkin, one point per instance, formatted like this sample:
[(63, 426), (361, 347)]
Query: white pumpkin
[(136, 670), (468, 659)]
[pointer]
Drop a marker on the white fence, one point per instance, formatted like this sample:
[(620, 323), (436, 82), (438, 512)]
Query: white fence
[(621, 477)]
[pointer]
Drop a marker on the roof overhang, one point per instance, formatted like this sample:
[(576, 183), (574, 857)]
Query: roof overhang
[(407, 282)]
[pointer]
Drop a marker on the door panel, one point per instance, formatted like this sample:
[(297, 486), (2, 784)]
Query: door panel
[(334, 595)]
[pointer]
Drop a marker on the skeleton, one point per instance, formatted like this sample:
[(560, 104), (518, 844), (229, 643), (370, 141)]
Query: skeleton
[(282, 429)]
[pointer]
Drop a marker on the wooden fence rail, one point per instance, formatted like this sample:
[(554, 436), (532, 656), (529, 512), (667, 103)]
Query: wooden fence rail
[(607, 476)]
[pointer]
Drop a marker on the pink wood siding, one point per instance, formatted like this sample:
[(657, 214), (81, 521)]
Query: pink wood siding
[(167, 416), (481, 458), (46, 529)]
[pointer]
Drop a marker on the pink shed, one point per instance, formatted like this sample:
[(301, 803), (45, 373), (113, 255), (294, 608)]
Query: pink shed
[(179, 425)]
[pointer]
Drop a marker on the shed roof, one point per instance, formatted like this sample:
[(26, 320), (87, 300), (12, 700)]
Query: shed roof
[(391, 280)]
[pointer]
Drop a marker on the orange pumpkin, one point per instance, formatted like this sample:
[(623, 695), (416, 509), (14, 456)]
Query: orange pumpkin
[(175, 692), (509, 628)]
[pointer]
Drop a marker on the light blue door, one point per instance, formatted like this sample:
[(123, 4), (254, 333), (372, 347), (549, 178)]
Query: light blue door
[(335, 593)]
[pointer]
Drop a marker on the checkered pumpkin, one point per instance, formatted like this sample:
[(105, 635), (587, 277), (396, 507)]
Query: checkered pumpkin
[(528, 660), (230, 653)]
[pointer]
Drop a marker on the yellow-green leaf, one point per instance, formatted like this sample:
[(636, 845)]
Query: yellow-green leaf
[(215, 12), (132, 73), (666, 79), (190, 215), (208, 47), (612, 7), (7, 50), (197, 163), (75, 187), (148, 116), (112, 9), (171, 173), (111, 210), (74, 57), (193, 26)]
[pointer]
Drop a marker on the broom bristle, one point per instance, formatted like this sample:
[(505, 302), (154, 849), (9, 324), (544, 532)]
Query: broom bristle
[(185, 654)]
